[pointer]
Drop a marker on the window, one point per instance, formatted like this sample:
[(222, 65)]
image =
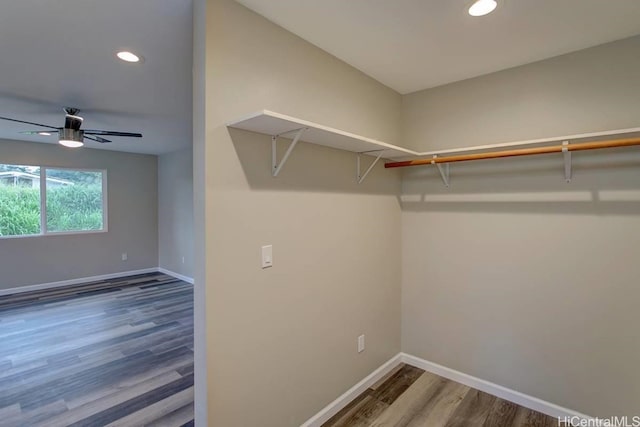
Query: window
[(74, 200), (38, 200), (19, 200)]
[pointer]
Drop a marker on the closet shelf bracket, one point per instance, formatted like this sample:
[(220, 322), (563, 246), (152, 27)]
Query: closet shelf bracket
[(567, 160), (444, 171), (275, 166), (360, 177)]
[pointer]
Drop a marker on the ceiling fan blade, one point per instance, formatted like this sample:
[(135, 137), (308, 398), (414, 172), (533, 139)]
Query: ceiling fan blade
[(97, 139), (39, 132), (112, 133), (29, 123)]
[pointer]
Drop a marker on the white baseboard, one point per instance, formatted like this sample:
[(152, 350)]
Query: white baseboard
[(521, 399), (50, 285), (176, 275), (516, 397), (334, 407)]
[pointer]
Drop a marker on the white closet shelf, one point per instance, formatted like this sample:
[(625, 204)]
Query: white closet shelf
[(276, 124), (273, 124)]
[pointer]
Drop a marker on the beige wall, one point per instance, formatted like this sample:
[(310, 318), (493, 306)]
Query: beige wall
[(513, 275), (282, 341), (175, 212), (133, 223), (587, 91)]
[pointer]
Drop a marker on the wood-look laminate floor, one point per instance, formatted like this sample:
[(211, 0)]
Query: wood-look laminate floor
[(110, 353), (411, 397)]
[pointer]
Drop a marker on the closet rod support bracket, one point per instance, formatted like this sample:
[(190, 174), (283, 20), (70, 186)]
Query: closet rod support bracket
[(567, 160), (444, 171), (275, 166), (361, 176)]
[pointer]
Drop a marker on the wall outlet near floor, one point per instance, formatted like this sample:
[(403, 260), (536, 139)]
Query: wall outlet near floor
[(183, 260), (361, 343), (125, 256)]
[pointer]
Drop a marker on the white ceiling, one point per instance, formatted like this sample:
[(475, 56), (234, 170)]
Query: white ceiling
[(62, 53), (411, 45)]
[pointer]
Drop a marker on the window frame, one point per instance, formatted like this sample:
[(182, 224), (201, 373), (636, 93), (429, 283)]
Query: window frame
[(43, 204)]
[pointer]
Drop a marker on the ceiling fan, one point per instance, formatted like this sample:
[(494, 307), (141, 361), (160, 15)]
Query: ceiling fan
[(71, 135)]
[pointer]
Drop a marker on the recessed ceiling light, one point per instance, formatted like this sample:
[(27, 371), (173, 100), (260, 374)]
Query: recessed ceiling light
[(128, 56), (482, 7), (44, 133)]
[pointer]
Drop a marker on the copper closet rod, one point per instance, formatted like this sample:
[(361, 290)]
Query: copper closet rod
[(518, 152)]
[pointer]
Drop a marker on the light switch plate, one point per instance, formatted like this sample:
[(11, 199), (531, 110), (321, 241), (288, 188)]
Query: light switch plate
[(267, 256)]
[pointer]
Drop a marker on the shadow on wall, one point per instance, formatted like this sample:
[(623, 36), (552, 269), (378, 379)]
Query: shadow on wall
[(310, 168), (604, 182)]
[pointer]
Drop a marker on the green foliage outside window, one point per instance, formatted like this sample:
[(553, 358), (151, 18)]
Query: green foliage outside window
[(19, 211), (74, 208)]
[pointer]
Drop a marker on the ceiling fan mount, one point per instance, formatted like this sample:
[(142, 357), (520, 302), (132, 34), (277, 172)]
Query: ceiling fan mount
[(71, 134), (71, 111)]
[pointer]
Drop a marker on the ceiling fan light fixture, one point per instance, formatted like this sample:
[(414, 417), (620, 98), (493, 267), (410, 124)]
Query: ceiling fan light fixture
[(71, 138), (127, 56), (482, 7), (71, 143), (71, 135)]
